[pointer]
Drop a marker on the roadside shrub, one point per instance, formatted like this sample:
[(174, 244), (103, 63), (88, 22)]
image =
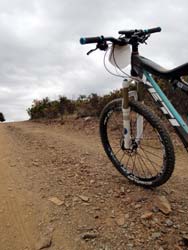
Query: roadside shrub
[(93, 104)]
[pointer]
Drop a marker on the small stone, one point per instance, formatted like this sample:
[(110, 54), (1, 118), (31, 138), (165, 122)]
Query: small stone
[(13, 165), (56, 201), (120, 221), (122, 190), (181, 211), (169, 223), (130, 245), (127, 216), (185, 239), (138, 206), (84, 198), (44, 242), (147, 215), (156, 235), (75, 199), (163, 204), (89, 236), (87, 118), (36, 164)]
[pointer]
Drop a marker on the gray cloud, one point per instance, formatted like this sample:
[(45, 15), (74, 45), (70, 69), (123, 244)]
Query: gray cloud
[(40, 54)]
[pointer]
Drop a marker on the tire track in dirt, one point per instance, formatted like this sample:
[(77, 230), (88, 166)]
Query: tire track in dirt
[(15, 232)]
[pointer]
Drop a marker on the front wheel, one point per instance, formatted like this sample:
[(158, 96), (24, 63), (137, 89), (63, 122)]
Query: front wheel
[(150, 161)]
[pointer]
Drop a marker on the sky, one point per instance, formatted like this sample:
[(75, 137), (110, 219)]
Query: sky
[(40, 53)]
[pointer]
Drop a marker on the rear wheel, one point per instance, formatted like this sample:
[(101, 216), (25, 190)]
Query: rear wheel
[(150, 161)]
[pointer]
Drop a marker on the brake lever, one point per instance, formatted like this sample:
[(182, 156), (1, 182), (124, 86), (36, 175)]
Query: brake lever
[(92, 50), (144, 39), (102, 46)]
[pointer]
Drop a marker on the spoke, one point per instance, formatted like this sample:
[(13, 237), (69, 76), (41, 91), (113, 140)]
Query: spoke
[(115, 146), (150, 152), (133, 161), (141, 164), (150, 161), (150, 146), (122, 157), (141, 158), (117, 151), (128, 160), (149, 139), (134, 164)]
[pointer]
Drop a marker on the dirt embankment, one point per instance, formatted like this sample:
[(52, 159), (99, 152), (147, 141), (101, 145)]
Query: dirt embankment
[(58, 191)]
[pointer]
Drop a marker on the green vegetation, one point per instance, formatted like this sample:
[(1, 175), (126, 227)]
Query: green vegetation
[(90, 105), (93, 104)]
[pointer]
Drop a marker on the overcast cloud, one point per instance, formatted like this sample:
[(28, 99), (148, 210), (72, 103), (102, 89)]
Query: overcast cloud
[(40, 54)]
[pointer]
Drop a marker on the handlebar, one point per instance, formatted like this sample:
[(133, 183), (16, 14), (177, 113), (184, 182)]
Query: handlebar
[(130, 33), (85, 40), (101, 39), (153, 30), (122, 40)]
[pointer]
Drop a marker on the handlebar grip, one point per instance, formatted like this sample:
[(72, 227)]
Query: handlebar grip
[(85, 40), (153, 30)]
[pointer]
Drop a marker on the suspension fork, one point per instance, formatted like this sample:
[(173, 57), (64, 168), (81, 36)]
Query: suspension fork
[(126, 116)]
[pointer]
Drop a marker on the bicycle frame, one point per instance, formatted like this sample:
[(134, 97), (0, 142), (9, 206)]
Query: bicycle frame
[(162, 103), (166, 107)]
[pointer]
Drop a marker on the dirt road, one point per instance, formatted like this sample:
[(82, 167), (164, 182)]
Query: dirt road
[(58, 191)]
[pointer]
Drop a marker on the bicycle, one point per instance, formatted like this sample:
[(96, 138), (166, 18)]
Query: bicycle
[(133, 137)]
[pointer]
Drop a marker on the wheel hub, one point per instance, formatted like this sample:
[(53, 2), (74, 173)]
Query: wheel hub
[(133, 147)]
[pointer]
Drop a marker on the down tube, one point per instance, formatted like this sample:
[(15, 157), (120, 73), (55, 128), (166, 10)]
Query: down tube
[(166, 102)]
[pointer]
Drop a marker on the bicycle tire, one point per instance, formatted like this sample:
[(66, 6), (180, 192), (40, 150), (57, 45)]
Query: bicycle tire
[(167, 159)]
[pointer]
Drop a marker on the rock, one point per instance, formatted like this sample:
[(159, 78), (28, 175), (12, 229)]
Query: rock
[(13, 165), (44, 242), (147, 215), (122, 190), (138, 206), (87, 118), (156, 235), (163, 204), (92, 181), (130, 245), (35, 163), (84, 198), (169, 223), (56, 201), (181, 211), (185, 239), (89, 236), (120, 221)]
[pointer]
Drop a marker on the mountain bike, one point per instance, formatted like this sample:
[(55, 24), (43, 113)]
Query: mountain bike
[(134, 137)]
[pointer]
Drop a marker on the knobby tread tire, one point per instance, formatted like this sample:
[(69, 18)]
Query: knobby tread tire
[(169, 162)]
